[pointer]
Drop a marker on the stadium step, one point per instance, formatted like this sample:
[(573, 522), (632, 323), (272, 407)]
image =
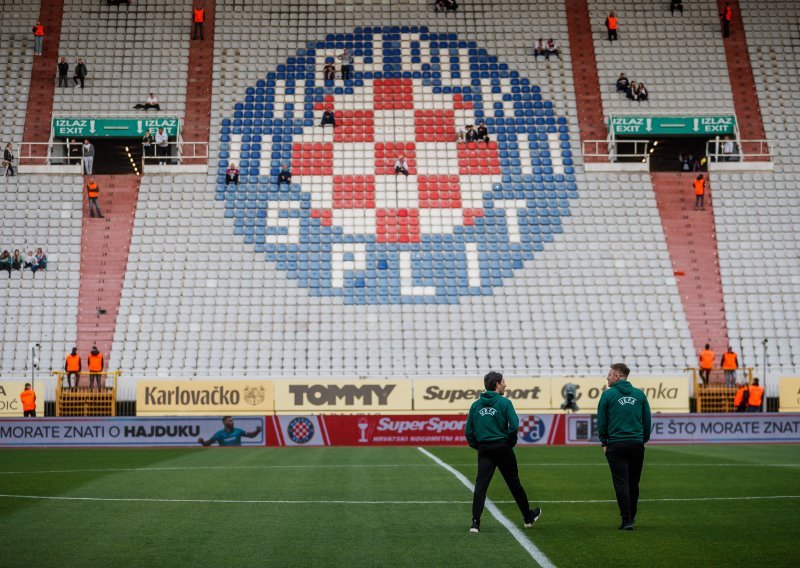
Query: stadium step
[(743, 84), (104, 258), (692, 243), (42, 85), (197, 112), (584, 74)]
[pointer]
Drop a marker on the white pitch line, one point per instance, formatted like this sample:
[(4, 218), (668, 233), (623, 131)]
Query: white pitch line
[(372, 466), (537, 555), (365, 502)]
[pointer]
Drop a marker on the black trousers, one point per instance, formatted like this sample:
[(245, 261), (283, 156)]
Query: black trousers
[(490, 457), (198, 26), (345, 72), (29, 413), (726, 28), (704, 375), (626, 460)]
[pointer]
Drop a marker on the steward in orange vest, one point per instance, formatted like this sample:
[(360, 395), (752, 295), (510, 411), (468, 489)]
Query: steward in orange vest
[(93, 191), (756, 396), (96, 364), (28, 398), (706, 363), (741, 398), (729, 364), (611, 26), (199, 17), (72, 366), (699, 192)]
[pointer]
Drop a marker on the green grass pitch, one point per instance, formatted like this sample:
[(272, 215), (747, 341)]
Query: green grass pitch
[(390, 507)]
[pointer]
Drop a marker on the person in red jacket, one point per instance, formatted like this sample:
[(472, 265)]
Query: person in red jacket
[(38, 37), (198, 17), (726, 16)]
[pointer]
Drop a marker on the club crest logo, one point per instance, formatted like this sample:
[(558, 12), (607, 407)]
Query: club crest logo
[(254, 395), (458, 219), (300, 430), (531, 429)]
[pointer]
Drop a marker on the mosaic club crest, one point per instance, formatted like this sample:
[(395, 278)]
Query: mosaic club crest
[(464, 219)]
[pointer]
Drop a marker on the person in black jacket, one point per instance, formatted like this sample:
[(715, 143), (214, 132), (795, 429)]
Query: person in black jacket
[(80, 72), (481, 132), (8, 159), (492, 429), (285, 175), (63, 68)]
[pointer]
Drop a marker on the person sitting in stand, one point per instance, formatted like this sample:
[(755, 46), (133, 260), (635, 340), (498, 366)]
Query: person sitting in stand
[(642, 93), (5, 262), (633, 92), (285, 175), (401, 166), (552, 49), (328, 117), (41, 260), (622, 83), (445, 5), (27, 260), (232, 174), (540, 48), (481, 132), (16, 261), (675, 5), (329, 71), (471, 135), (151, 102)]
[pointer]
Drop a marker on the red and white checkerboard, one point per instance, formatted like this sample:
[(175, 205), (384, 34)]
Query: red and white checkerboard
[(351, 177)]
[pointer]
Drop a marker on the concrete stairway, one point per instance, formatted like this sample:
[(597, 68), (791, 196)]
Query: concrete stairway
[(104, 257), (198, 87), (585, 77), (43, 81), (692, 243)]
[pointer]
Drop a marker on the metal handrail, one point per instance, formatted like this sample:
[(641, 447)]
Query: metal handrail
[(743, 150), (610, 152), (180, 151)]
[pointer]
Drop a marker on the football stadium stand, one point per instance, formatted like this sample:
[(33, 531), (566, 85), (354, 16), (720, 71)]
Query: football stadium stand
[(511, 254)]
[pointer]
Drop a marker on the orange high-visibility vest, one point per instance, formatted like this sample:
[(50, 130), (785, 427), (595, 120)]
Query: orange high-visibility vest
[(28, 398), (699, 186), (756, 394), (728, 13), (707, 359), (737, 399), (199, 16), (729, 361), (95, 363), (612, 23), (38, 30), (73, 363), (94, 192)]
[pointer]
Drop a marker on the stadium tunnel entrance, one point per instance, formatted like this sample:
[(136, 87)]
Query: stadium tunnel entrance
[(668, 153), (120, 156)]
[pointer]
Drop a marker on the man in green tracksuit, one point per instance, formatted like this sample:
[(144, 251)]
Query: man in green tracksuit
[(623, 424), (491, 429)]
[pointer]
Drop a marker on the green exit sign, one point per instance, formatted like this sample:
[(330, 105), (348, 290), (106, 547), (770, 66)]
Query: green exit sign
[(673, 125), (70, 127)]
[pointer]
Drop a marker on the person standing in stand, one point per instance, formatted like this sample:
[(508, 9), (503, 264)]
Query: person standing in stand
[(28, 399)]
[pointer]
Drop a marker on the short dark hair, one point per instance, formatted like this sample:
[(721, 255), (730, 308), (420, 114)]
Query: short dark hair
[(224, 418), (491, 379), (622, 369), (755, 381), (28, 384), (708, 346)]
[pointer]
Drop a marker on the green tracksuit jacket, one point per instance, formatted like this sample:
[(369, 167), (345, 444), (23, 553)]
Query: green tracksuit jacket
[(491, 419), (623, 414)]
